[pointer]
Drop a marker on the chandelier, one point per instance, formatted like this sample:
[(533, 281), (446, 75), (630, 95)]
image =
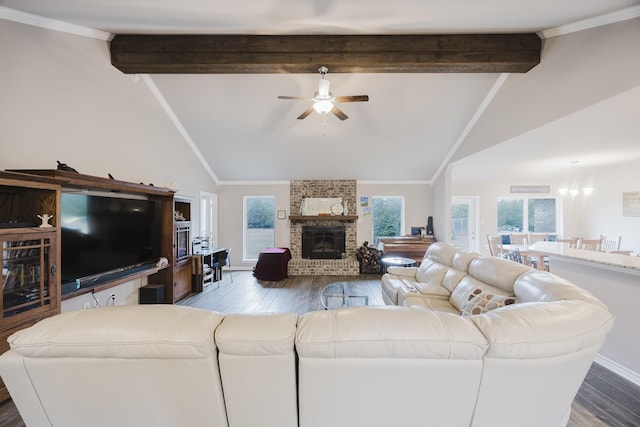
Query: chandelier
[(573, 190)]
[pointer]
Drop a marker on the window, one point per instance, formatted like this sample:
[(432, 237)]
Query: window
[(208, 218), (388, 216), (259, 222), (536, 215)]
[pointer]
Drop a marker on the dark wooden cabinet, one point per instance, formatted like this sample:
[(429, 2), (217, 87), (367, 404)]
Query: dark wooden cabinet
[(182, 281), (30, 256), (182, 248), (163, 274)]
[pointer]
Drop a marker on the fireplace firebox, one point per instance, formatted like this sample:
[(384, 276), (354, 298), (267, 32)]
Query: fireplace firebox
[(323, 242)]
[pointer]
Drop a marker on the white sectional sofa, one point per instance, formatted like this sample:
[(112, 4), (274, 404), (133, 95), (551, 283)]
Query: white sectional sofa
[(414, 365)]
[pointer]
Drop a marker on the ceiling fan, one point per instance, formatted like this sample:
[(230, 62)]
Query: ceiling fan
[(324, 101)]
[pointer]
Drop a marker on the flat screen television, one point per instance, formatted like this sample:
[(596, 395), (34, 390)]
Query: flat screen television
[(105, 237)]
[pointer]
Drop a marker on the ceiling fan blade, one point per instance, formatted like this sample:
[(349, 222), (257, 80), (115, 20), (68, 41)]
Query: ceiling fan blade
[(352, 98), (339, 114), (306, 113), (297, 98)]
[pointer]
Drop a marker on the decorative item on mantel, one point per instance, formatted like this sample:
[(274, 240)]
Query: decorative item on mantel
[(326, 206), (45, 220)]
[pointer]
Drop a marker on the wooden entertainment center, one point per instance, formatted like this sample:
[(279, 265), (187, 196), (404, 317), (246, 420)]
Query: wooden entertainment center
[(31, 254)]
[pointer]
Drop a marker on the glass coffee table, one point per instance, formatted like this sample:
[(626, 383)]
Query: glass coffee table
[(343, 294), (397, 261)]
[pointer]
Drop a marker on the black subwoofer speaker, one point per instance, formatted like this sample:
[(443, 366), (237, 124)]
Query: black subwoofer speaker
[(152, 294)]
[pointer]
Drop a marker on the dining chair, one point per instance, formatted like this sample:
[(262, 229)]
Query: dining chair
[(514, 255), (495, 246), (537, 237), (589, 244), (226, 260), (519, 238), (610, 243), (573, 243)]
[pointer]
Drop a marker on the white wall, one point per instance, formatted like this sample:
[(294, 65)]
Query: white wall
[(604, 213), (230, 214), (62, 100)]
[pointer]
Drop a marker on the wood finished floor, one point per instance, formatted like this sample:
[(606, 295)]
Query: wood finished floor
[(604, 399)]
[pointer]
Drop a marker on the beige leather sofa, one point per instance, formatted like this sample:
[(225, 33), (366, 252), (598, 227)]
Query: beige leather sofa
[(520, 364)]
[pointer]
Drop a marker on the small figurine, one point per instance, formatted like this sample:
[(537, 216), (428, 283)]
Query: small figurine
[(65, 167), (45, 220)]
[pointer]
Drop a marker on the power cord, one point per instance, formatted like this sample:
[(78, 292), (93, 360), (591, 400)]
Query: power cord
[(95, 300)]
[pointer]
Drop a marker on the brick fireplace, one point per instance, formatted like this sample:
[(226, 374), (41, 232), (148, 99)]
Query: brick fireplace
[(347, 190)]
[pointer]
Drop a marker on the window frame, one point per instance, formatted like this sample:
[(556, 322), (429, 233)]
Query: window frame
[(525, 213), (373, 217), (209, 217), (245, 199)]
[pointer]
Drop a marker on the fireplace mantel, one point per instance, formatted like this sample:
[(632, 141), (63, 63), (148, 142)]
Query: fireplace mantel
[(323, 217)]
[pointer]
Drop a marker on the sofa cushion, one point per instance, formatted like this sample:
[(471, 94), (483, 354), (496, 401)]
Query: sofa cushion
[(462, 260), (431, 272), (388, 332), (452, 279), (460, 295), (429, 304), (402, 271), (542, 286), (257, 334), (431, 289), (154, 331), (497, 272), (442, 253), (481, 301)]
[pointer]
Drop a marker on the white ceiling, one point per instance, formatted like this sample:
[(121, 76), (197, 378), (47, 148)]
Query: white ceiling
[(413, 122)]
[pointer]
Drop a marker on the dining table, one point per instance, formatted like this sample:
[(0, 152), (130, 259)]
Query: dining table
[(527, 252)]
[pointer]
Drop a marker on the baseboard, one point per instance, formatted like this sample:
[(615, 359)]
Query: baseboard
[(618, 369)]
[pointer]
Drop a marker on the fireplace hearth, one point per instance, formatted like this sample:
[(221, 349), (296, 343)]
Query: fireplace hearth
[(321, 242)]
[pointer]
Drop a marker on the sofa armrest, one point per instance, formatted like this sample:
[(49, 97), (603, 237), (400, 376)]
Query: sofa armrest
[(543, 329), (403, 271)]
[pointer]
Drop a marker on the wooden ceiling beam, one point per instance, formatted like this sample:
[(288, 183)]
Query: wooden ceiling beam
[(248, 54)]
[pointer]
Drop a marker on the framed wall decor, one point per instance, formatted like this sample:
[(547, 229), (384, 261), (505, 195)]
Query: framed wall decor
[(631, 203)]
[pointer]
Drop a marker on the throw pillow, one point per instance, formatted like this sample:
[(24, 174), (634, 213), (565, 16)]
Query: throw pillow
[(482, 302)]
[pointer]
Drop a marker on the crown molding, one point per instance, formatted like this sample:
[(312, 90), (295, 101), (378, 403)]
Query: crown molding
[(223, 183), (395, 182), (598, 21), (52, 24)]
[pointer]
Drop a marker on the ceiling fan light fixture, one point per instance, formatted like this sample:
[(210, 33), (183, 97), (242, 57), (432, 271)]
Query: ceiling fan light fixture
[(323, 106), (324, 101)]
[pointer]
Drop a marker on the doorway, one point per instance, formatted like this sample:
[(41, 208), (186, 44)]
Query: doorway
[(464, 222)]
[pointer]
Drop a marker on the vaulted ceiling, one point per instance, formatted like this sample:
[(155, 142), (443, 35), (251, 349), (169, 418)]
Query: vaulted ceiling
[(414, 122)]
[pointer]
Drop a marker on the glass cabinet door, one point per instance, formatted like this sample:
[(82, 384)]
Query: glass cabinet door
[(183, 245), (26, 270)]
